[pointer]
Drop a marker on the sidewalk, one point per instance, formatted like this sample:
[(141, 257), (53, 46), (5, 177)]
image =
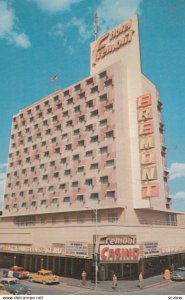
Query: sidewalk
[(123, 285)]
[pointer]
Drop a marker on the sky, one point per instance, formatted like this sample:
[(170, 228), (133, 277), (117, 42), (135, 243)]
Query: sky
[(42, 38)]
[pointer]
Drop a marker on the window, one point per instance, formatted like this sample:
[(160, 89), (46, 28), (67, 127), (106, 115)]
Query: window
[(109, 107), (46, 103), (103, 74), (94, 196), (74, 184), (46, 154), (94, 218), (56, 175), (29, 112), (94, 89), (80, 218), (66, 93), (89, 182), (104, 150), (80, 198), (103, 98), (25, 181), (66, 219), (66, 199), (89, 103), (43, 202), (103, 122), (112, 217), (34, 147), (52, 163), (49, 110), (51, 188), (70, 101), (76, 157), (37, 156), (94, 166), (81, 143), (89, 153), (57, 150), (45, 122), (40, 114), (111, 194), (109, 163), (27, 159), (82, 118), (48, 131), (43, 143), (69, 123), (58, 127), (53, 140), (55, 201), (42, 166), (80, 169), (77, 108), (64, 136), (67, 172), (77, 87), (33, 203), (38, 134), (63, 160), (94, 113), (40, 190), (89, 127), (69, 147), (30, 192), (24, 204), (36, 126), (55, 118), (104, 179), (32, 169), (29, 138), (62, 186), (108, 82), (65, 113), (109, 134), (94, 139), (76, 131), (31, 119), (37, 107), (45, 177), (89, 81), (15, 205), (35, 179)]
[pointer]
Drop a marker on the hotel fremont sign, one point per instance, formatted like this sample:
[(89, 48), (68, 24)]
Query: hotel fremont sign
[(112, 41)]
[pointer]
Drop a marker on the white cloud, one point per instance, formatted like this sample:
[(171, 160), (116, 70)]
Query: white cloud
[(8, 27), (3, 165), (177, 170), (54, 6), (112, 13), (178, 196), (84, 32)]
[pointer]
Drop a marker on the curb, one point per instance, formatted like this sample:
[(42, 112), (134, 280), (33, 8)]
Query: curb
[(119, 290)]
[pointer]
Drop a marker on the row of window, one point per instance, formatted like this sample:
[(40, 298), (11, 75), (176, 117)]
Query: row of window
[(77, 88), (44, 202), (81, 218), (68, 123)]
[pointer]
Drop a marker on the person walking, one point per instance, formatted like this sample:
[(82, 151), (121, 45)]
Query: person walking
[(114, 281), (140, 280), (84, 275)]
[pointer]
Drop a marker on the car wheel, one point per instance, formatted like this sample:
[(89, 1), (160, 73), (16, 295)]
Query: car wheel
[(31, 280)]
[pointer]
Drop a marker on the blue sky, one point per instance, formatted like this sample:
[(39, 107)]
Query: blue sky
[(41, 38)]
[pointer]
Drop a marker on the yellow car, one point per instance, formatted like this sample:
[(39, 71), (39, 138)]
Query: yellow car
[(3, 291), (44, 276)]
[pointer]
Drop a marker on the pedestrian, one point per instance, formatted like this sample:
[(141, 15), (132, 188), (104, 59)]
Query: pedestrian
[(84, 275), (172, 268), (140, 280), (114, 281)]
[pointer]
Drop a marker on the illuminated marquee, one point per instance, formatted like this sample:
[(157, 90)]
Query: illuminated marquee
[(112, 41), (147, 147), (119, 253)]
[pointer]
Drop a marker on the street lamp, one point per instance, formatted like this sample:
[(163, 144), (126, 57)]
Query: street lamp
[(96, 254)]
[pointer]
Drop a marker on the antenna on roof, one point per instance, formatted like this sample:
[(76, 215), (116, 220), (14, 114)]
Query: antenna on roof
[(96, 25)]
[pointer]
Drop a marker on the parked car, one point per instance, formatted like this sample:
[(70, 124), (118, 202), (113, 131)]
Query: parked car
[(3, 291), (13, 286), (178, 275), (45, 277), (19, 272)]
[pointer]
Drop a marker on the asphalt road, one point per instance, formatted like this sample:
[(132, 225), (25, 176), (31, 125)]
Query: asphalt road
[(172, 288)]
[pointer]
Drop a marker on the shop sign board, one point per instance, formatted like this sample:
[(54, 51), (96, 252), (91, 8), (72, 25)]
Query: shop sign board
[(119, 253), (150, 249), (77, 249), (117, 240), (35, 250)]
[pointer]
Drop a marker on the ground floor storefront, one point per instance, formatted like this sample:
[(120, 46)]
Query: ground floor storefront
[(73, 267)]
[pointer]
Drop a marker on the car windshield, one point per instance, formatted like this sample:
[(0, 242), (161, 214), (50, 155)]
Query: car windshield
[(13, 282), (46, 273)]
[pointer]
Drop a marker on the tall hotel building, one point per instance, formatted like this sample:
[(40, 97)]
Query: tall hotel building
[(87, 167)]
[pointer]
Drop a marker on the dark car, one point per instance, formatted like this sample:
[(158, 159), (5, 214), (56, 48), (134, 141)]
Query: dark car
[(178, 275), (13, 286)]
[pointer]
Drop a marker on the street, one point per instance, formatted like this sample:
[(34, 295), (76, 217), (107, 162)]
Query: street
[(171, 288)]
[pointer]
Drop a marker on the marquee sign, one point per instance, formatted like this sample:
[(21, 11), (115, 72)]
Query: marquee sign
[(117, 240), (147, 147), (122, 253), (112, 41)]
